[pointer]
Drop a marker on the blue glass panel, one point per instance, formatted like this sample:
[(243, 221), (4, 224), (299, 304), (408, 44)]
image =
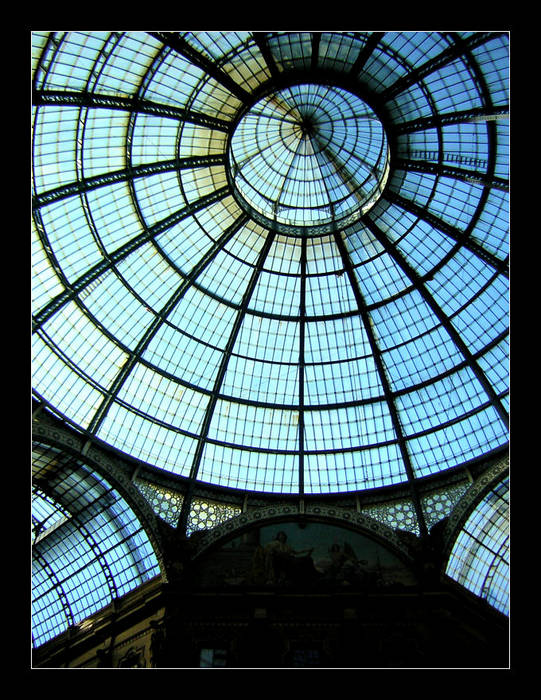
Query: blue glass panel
[(451, 87), (54, 162), (74, 254), (257, 471), (457, 443), (114, 215), (459, 280), (164, 448)]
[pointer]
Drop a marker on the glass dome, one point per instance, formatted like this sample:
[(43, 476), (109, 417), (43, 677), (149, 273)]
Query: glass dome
[(307, 156), (276, 262)]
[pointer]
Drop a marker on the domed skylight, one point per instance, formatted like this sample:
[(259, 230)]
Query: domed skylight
[(274, 262)]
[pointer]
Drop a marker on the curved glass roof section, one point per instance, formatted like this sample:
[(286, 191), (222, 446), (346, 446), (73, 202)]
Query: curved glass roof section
[(88, 548), (177, 326), (479, 559)]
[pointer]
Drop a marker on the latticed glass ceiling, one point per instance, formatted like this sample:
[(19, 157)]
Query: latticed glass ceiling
[(89, 547), (479, 559), (274, 261)]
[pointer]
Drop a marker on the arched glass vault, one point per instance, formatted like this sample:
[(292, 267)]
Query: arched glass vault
[(89, 547), (274, 262), (479, 557)]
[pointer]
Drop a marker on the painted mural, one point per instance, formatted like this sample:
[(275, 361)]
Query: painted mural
[(311, 553)]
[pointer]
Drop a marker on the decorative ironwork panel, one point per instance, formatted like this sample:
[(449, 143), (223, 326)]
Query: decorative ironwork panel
[(165, 502), (205, 515), (400, 515), (439, 504)]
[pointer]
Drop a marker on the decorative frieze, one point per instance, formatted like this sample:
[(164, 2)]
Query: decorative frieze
[(335, 515)]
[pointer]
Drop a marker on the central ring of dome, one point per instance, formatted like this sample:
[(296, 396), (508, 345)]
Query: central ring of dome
[(307, 158)]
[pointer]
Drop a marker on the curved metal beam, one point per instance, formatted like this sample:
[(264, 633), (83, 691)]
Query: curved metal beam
[(475, 176), (445, 57), (226, 356), (56, 586), (461, 237), (91, 183), (260, 39), (480, 114), (365, 53), (387, 391), (302, 363), (316, 39), (113, 470), (158, 321), (127, 104), (73, 289)]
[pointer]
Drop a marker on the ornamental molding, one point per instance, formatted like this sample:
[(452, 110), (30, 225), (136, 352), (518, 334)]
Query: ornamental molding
[(92, 456), (460, 513), (332, 515)]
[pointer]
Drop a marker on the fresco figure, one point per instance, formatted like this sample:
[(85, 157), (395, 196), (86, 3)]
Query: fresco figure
[(284, 564), (342, 564), (323, 555)]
